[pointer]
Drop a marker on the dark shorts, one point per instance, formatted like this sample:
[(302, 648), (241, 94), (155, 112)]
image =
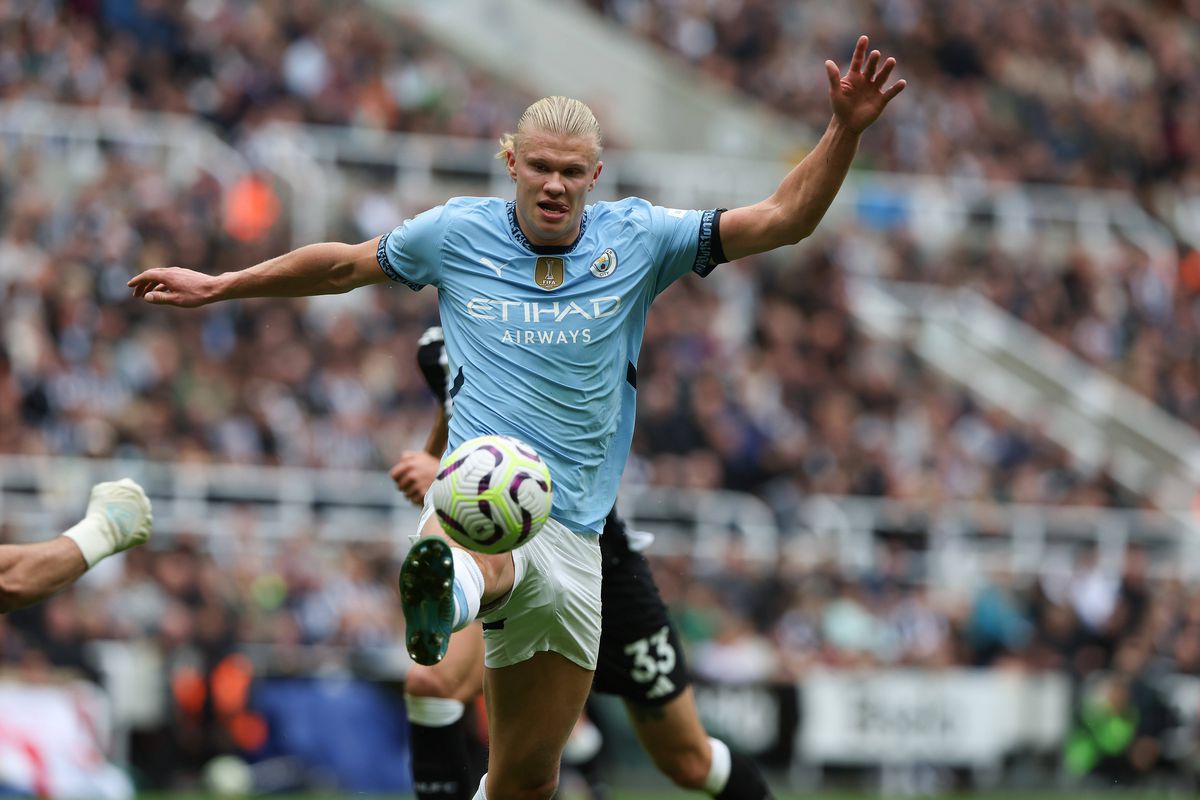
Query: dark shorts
[(641, 659)]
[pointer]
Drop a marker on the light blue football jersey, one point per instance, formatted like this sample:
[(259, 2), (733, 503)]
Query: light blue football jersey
[(543, 342)]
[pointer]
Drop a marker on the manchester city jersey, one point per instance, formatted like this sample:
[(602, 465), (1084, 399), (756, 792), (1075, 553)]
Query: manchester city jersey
[(542, 342)]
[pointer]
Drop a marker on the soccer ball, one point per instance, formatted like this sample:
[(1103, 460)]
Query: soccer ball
[(492, 494)]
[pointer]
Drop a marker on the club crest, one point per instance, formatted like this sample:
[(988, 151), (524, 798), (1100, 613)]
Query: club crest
[(603, 266), (548, 272)]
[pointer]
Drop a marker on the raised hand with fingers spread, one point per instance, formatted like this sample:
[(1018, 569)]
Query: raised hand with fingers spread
[(859, 96)]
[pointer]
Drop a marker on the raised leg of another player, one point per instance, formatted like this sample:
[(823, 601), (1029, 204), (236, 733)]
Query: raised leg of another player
[(532, 707), (642, 661), (436, 698), (681, 749)]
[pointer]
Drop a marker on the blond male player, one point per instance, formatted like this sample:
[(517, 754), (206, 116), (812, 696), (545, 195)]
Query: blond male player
[(543, 302)]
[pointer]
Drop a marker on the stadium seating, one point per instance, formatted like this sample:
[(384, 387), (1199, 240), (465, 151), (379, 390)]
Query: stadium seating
[(760, 379)]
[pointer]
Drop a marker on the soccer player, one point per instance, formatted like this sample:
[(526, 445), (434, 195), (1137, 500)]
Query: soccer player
[(118, 518), (640, 660), (543, 301)]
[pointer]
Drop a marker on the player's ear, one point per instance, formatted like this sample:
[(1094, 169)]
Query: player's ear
[(596, 174), (510, 161)]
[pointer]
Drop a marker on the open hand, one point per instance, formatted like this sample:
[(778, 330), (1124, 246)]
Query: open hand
[(858, 97), (174, 286)]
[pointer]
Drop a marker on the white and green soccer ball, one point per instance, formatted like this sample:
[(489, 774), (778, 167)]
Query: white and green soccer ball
[(492, 494)]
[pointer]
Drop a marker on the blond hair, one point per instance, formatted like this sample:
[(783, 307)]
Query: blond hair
[(564, 116)]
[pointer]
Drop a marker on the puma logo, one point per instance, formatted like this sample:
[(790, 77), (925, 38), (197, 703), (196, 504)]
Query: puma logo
[(497, 268)]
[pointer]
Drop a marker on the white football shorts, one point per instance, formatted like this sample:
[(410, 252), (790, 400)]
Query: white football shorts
[(555, 602)]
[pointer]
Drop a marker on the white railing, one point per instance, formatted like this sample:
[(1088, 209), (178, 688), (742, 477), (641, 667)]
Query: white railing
[(1097, 418), (263, 506), (936, 211), (227, 505), (187, 145), (318, 164), (184, 145), (957, 543)]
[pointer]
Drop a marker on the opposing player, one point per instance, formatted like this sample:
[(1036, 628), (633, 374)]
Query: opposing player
[(543, 301), (118, 518), (640, 660)]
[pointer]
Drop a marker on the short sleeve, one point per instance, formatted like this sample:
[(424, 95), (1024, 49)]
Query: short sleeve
[(411, 252), (684, 242)]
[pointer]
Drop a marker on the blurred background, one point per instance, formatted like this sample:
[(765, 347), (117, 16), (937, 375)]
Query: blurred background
[(924, 487)]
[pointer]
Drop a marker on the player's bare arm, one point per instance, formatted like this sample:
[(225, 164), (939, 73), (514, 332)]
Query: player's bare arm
[(118, 517), (797, 206), (325, 268), (439, 435)]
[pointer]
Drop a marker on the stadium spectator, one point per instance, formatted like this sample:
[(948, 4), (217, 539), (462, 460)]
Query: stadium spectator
[(1091, 91)]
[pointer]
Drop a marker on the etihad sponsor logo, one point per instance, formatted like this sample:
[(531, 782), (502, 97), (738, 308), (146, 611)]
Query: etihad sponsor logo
[(603, 266), (548, 272), (543, 313)]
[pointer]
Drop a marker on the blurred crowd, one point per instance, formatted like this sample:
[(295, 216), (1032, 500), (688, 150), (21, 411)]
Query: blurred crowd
[(771, 389), (1091, 94), (87, 370), (1087, 93), (744, 626), (755, 379), (802, 402), (240, 64), (205, 622), (1123, 637), (307, 608)]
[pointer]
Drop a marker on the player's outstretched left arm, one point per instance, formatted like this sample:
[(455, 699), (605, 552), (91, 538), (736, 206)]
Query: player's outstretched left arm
[(118, 518), (797, 206), (325, 268)]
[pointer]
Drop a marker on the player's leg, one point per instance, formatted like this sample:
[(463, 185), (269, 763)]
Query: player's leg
[(532, 708), (641, 660), (541, 645), (436, 699), (586, 757), (442, 587), (681, 749)]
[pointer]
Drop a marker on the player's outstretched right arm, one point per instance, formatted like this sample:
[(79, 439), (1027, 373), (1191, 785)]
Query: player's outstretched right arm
[(118, 518), (325, 268)]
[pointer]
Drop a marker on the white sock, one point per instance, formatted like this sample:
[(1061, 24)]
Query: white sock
[(718, 770), (481, 793), (433, 712), (468, 588)]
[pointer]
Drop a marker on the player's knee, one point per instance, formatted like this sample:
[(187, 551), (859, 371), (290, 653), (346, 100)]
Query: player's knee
[(687, 767), (422, 681)]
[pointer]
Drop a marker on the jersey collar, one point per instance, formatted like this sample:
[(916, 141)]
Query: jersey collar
[(544, 249)]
